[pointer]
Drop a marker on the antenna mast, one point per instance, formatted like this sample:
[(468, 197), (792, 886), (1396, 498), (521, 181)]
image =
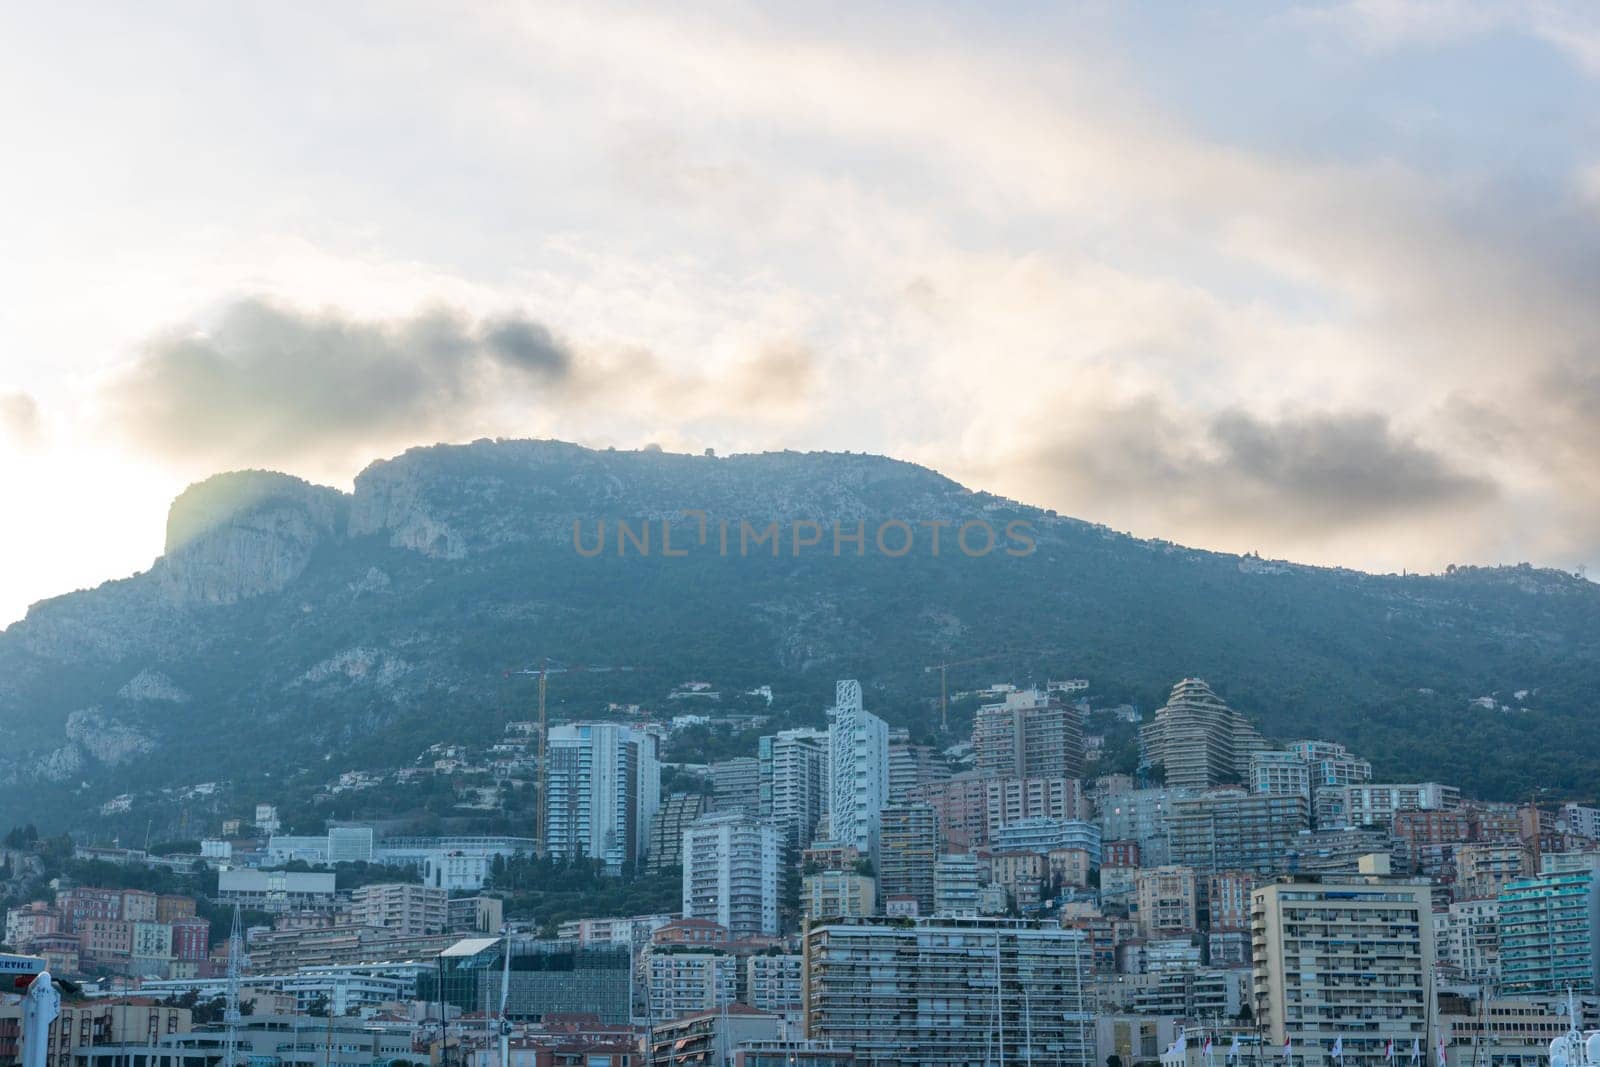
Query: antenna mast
[(505, 991), (230, 1012), (542, 844)]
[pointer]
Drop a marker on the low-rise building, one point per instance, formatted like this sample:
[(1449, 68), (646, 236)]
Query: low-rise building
[(957, 879), (683, 982), (277, 891), (773, 982), (401, 908), (709, 1037), (1229, 829), (1167, 901), (829, 894)]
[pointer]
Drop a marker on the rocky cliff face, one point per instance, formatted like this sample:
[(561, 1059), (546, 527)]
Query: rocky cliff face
[(391, 500), (240, 535)]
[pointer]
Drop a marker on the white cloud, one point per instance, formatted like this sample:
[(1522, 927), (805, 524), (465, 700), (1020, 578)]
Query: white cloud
[(988, 250)]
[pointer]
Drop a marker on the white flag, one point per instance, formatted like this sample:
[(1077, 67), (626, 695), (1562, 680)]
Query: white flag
[(1441, 1049), (1233, 1049), (1416, 1052), (1338, 1046)]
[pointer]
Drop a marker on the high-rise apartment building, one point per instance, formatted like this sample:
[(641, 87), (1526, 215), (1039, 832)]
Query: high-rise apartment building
[(1229, 829), (1425, 840), (773, 983), (858, 770), (1199, 739), (950, 992), (1030, 734), (730, 874), (1549, 926), (793, 782), (1345, 960), (907, 851), (604, 791), (680, 982)]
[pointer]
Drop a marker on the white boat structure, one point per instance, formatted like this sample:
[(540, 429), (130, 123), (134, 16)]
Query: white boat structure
[(1577, 1047)]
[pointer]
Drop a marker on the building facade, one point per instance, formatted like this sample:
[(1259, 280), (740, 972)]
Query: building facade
[(1030, 734), (908, 851), (950, 992), (793, 782), (1548, 926), (829, 894), (1198, 739), (1279, 772), (736, 785), (401, 908), (730, 873), (858, 770), (1342, 960), (604, 791), (1228, 829), (666, 831), (1167, 901)]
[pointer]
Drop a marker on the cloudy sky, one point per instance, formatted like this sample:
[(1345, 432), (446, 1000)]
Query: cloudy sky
[(1317, 280)]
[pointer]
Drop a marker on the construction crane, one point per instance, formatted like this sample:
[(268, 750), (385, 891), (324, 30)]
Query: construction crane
[(944, 696), (543, 673)]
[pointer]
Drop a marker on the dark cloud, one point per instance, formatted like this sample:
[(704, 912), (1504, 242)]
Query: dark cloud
[(1195, 475), (529, 345), (1335, 468), (19, 418), (269, 383)]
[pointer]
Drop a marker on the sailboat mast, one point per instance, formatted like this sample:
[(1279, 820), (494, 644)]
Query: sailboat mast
[(999, 1004)]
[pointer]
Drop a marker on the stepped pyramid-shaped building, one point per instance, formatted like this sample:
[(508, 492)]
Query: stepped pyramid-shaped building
[(1200, 740)]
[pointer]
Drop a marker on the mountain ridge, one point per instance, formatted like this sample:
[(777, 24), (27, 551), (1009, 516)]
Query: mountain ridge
[(300, 617)]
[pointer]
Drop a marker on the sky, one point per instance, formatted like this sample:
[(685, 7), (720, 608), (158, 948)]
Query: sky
[(1318, 280)]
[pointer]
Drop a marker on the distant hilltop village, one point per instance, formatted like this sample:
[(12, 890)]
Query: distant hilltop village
[(835, 894)]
